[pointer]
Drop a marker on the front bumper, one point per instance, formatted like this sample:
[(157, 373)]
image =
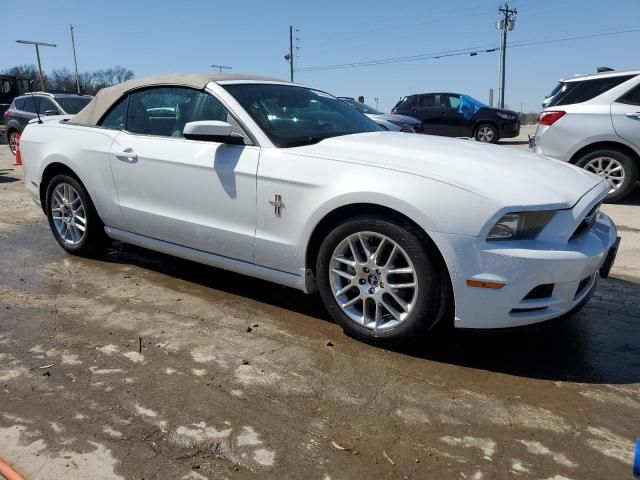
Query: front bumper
[(564, 273), (509, 129)]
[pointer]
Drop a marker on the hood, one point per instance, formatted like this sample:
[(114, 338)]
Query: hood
[(505, 175), (502, 110), (400, 119)]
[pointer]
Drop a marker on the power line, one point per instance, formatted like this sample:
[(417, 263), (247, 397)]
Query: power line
[(471, 51), (410, 58)]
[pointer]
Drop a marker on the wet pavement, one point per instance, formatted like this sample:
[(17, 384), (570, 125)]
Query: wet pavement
[(138, 365)]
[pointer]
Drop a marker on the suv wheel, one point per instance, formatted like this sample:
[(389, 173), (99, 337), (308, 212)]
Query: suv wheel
[(73, 219), (616, 166), (486, 133), (13, 141), (379, 282)]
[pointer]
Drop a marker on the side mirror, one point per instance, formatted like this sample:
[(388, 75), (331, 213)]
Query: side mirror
[(49, 113), (211, 131)]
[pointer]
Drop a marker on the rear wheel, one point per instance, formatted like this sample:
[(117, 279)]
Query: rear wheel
[(73, 219), (616, 166), (13, 141), (486, 133), (379, 282)]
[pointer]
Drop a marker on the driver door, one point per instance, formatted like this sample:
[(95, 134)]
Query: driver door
[(193, 193)]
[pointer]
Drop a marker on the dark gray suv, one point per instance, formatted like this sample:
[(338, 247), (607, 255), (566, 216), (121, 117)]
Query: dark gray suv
[(24, 108)]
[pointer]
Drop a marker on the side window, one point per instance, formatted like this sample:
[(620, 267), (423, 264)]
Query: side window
[(164, 111), (19, 103), (588, 89), (427, 101), (30, 104), (116, 117), (46, 105), (632, 97), (450, 101)]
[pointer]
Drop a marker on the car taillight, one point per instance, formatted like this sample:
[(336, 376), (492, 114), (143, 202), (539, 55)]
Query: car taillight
[(551, 117), (6, 114)]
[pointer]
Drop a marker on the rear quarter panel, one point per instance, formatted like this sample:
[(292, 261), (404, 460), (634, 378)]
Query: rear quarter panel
[(85, 150)]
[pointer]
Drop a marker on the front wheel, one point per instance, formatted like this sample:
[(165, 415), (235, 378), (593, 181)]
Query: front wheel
[(486, 133), (379, 282), (73, 219), (619, 168)]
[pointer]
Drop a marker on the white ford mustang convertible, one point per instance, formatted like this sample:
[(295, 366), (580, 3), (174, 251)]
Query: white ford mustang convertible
[(289, 184)]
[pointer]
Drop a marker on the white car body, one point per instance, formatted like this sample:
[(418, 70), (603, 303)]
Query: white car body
[(170, 198), (601, 119), (604, 121)]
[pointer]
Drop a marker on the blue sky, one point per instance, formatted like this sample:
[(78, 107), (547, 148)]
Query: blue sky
[(158, 36)]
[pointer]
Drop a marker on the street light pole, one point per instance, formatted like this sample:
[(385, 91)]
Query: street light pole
[(75, 60), (38, 45), (221, 67)]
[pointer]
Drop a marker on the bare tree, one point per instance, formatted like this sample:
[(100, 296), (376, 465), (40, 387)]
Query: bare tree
[(63, 79)]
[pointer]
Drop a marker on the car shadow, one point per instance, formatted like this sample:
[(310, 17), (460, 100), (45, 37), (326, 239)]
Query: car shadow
[(600, 344), (633, 198), (5, 179)]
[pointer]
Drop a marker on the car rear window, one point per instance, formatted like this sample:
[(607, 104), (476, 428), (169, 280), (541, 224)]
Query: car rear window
[(18, 103), (632, 97), (582, 91), (73, 105), (406, 102)]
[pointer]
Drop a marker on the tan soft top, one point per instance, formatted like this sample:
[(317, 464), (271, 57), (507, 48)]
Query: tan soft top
[(105, 98)]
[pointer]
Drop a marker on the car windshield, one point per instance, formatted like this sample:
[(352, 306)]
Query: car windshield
[(73, 105), (362, 107), (293, 116)]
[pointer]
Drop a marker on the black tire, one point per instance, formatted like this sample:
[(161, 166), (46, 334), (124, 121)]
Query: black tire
[(94, 238), (12, 140), (495, 135), (430, 304), (629, 165)]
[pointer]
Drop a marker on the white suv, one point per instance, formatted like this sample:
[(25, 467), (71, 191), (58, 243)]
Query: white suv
[(593, 121)]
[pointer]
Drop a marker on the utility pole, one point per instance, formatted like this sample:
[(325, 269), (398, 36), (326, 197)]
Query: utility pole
[(505, 24), (291, 51), (38, 44), (75, 60), (221, 67)]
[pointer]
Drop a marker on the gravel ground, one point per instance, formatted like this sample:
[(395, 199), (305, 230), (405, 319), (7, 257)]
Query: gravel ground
[(137, 365)]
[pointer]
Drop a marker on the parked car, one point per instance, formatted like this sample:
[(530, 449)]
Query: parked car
[(593, 121), (289, 184), (399, 123), (456, 115), (24, 108)]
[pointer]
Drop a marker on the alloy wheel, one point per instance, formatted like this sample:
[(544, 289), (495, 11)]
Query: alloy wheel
[(13, 142), (373, 280), (68, 213), (608, 168), (485, 134)]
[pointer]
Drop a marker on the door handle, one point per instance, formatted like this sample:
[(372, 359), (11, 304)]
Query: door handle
[(635, 115), (127, 155)]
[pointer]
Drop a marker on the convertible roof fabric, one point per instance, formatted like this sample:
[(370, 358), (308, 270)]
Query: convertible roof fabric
[(105, 98)]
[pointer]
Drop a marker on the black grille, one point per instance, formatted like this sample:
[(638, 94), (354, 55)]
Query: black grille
[(541, 291), (527, 310), (583, 284), (587, 223)]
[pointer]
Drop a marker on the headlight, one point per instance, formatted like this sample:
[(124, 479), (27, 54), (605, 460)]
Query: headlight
[(506, 116), (520, 225)]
